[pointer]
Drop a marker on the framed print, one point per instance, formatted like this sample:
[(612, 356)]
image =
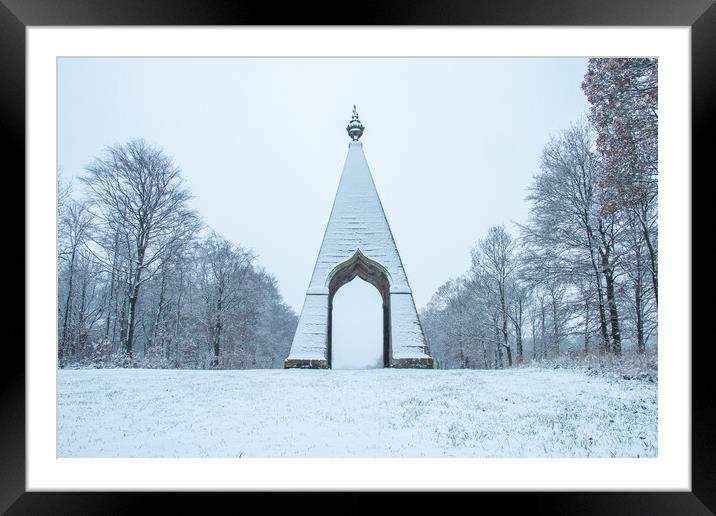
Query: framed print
[(188, 324)]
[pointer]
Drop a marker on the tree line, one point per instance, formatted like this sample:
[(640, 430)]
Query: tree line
[(142, 281), (581, 275)]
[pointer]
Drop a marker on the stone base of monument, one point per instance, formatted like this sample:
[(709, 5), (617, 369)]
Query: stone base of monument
[(412, 363), (301, 363), (398, 363)]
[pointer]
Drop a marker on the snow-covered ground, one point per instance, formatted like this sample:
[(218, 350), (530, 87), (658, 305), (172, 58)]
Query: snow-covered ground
[(524, 412)]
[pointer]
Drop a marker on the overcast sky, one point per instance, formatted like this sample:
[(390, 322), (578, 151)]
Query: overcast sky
[(452, 144)]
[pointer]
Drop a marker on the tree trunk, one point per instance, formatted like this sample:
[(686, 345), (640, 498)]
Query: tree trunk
[(652, 254), (604, 346), (111, 287), (158, 316), (461, 353), (484, 352), (109, 305), (134, 296), (82, 334), (178, 318), (518, 332), (504, 326), (123, 320), (68, 304), (217, 328), (498, 348), (586, 327), (543, 336), (613, 312), (132, 302), (640, 346), (118, 314), (608, 272), (555, 325)]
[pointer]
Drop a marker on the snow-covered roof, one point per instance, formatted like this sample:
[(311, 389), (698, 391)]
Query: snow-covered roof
[(358, 223)]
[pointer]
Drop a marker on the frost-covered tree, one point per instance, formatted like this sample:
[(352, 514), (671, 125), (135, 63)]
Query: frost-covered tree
[(455, 326), (225, 269), (567, 236), (75, 224), (476, 320), (494, 263), (137, 194), (142, 284)]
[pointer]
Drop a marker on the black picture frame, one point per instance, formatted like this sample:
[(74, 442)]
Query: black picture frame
[(17, 15)]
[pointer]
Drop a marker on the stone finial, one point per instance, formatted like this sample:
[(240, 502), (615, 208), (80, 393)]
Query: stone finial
[(355, 128)]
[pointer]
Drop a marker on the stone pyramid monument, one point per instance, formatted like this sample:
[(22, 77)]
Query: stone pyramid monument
[(358, 242)]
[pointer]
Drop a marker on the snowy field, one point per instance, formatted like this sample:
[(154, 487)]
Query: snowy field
[(526, 412)]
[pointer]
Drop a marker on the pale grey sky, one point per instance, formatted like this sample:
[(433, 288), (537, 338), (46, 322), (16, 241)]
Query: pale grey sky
[(452, 144)]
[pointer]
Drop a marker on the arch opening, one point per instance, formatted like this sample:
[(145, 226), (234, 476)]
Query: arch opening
[(357, 327), (370, 272)]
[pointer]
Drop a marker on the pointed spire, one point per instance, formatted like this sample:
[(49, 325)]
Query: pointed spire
[(355, 128), (358, 241)]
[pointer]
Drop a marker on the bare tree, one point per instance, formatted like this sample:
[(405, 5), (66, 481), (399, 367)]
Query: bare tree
[(76, 224), (494, 261), (519, 299), (139, 286), (137, 191), (227, 268), (566, 235)]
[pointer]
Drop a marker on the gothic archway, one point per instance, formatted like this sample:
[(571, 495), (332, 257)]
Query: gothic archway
[(371, 272), (357, 221)]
